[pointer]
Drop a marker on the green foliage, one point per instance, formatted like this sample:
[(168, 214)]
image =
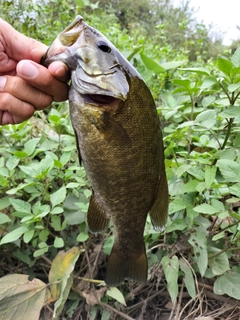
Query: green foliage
[(44, 192)]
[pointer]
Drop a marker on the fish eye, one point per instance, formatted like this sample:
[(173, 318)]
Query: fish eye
[(102, 45)]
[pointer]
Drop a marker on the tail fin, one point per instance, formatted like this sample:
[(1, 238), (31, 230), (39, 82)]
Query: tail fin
[(122, 266)]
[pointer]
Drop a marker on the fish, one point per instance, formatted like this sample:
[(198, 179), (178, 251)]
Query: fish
[(119, 142)]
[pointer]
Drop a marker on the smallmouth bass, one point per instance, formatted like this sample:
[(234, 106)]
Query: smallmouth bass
[(119, 141)]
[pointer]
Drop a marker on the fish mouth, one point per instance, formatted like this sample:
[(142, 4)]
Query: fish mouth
[(70, 34), (100, 99)]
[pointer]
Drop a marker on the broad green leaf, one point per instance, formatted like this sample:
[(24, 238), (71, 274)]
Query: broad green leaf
[(4, 202), (30, 145), (206, 209), (4, 218), (172, 64), (210, 174), (28, 236), (171, 268), (178, 224), (12, 162), (228, 284), (230, 112), (13, 235), (20, 205), (116, 294), (190, 186), (58, 243), (229, 169), (20, 298), (72, 213), (207, 101), (188, 278), (219, 264), (28, 170), (208, 82), (225, 66), (82, 237), (58, 196), (151, 64), (198, 240), (182, 83), (199, 70), (207, 118), (233, 87), (19, 187), (235, 189), (236, 57), (61, 277), (108, 244), (176, 205)]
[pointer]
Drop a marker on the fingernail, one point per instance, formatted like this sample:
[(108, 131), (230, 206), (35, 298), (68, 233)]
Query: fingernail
[(28, 69), (3, 81)]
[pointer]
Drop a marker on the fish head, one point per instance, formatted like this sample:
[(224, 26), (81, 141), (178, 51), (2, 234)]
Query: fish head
[(97, 67)]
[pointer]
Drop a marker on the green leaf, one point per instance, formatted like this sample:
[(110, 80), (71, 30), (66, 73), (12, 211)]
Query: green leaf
[(30, 145), (58, 196), (72, 213), (228, 284), (171, 268), (208, 82), (225, 66), (4, 202), (233, 87), (206, 209), (28, 235), (20, 205), (210, 174), (188, 278), (12, 162), (172, 64), (82, 237), (219, 264), (178, 224), (207, 101), (58, 243), (13, 235), (21, 298), (151, 64), (199, 70), (116, 294), (229, 169), (4, 218), (176, 205), (198, 240), (236, 57)]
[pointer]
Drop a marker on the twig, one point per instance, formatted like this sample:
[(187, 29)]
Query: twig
[(108, 307)]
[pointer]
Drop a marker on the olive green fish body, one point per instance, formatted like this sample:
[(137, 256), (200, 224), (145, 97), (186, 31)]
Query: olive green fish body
[(120, 143)]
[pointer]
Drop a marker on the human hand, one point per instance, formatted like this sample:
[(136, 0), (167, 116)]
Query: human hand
[(25, 85)]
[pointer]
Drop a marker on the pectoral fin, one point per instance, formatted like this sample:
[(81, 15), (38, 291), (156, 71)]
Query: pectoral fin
[(97, 219), (159, 210)]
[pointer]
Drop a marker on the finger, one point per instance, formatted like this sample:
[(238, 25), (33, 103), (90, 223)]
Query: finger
[(59, 70), (18, 46), (40, 78), (19, 89), (12, 110)]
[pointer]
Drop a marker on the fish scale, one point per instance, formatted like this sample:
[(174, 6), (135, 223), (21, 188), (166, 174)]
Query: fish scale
[(119, 141)]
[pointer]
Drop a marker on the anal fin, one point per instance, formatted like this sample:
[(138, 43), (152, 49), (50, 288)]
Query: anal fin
[(159, 210), (121, 267), (97, 219)]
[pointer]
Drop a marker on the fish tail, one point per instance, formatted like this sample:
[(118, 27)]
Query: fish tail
[(121, 266)]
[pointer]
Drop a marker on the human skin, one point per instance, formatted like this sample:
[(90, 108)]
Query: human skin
[(25, 85)]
